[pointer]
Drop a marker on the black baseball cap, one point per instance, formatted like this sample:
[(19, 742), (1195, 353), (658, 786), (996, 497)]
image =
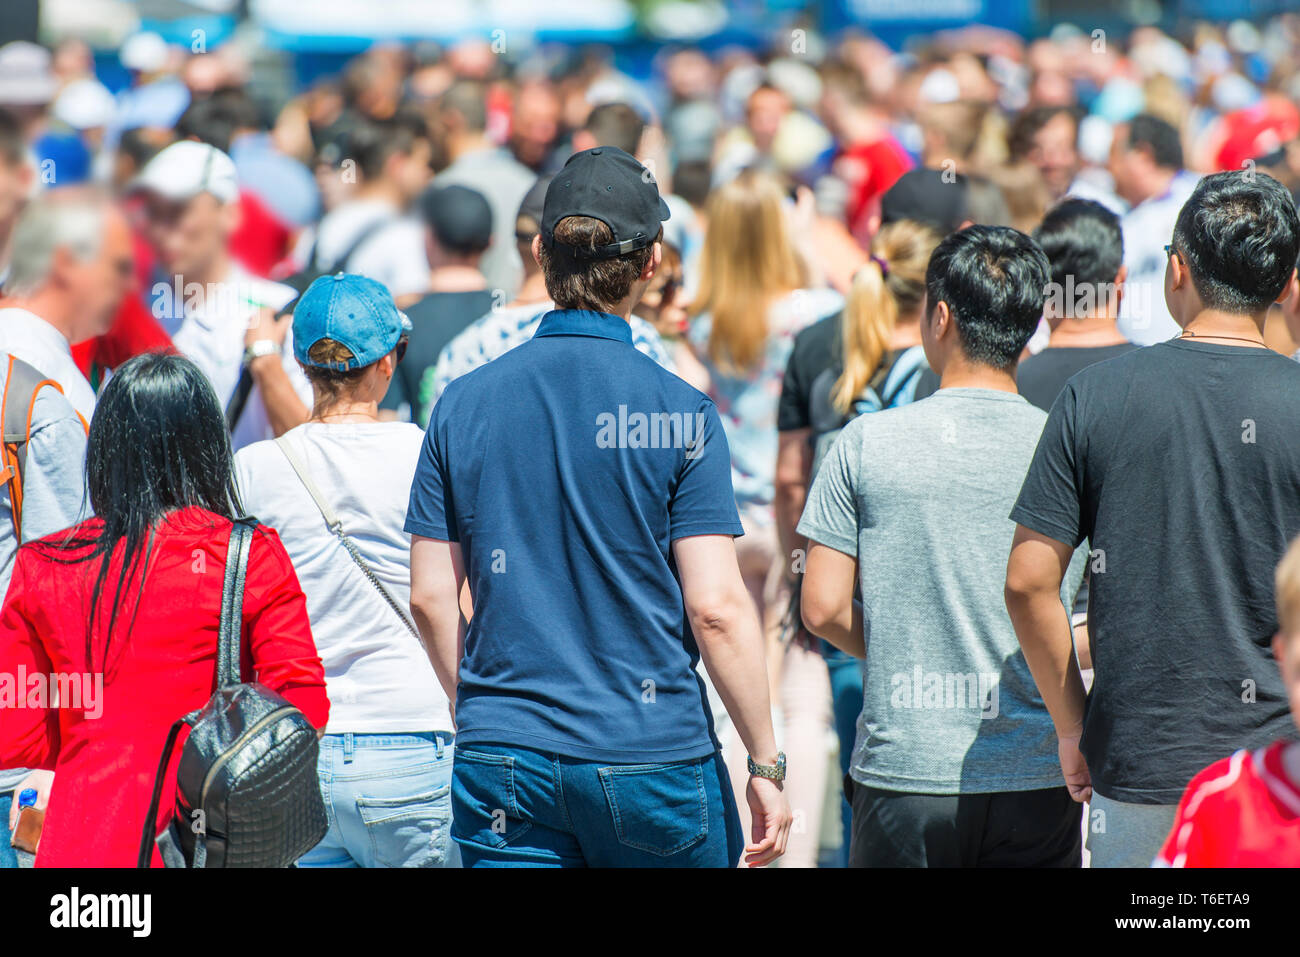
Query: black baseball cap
[(610, 185), (926, 196), (460, 217)]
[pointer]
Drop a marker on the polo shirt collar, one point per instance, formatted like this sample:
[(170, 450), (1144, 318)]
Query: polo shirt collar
[(584, 322)]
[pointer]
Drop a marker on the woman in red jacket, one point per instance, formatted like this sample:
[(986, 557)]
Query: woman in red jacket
[(120, 614)]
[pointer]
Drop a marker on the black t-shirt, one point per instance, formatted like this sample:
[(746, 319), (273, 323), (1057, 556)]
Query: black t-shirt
[(436, 319), (1180, 463), (1041, 378), (815, 365)]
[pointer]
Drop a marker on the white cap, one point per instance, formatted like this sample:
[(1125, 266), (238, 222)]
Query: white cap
[(25, 75), (84, 105), (185, 169), (144, 52)]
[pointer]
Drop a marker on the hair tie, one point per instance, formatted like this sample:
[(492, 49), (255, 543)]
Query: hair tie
[(884, 266)]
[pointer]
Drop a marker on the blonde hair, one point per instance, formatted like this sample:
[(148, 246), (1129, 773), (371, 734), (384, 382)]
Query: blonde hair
[(1286, 586), (748, 260), (878, 296)]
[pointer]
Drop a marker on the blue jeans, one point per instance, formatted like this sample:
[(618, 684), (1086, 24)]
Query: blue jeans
[(387, 799), (514, 807), (846, 706)]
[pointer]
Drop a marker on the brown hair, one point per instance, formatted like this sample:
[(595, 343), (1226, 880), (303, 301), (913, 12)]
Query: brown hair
[(599, 284), (877, 298), (331, 383)]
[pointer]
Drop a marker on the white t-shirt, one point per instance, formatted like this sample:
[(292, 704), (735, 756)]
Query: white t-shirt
[(1143, 315), (210, 330), (393, 253), (377, 676), (33, 340)]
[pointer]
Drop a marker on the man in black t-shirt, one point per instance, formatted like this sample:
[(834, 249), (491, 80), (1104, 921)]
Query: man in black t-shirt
[(1085, 250), (1180, 463), (458, 230)]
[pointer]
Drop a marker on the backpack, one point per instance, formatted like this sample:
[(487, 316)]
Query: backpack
[(23, 382), (247, 791), (898, 389)]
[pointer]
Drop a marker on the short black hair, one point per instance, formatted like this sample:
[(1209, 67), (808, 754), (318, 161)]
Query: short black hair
[(1239, 235), (616, 124), (1083, 239), (371, 142), (217, 118), (994, 280), (1158, 136)]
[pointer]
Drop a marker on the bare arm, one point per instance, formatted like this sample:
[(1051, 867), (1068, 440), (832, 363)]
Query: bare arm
[(1033, 596), (437, 574), (829, 610), (793, 468), (725, 624), (284, 410)]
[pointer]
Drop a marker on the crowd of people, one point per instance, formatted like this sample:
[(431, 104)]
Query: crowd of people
[(629, 450)]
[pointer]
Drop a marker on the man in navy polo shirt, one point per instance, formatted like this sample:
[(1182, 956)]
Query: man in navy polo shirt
[(585, 493)]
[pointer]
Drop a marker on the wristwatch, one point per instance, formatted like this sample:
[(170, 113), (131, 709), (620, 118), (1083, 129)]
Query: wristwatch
[(775, 772), (259, 348)]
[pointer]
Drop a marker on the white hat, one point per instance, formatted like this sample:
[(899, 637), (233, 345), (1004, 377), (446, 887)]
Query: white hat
[(25, 75), (185, 169), (144, 52), (84, 105)]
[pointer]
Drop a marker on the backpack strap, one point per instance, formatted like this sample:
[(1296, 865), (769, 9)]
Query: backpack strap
[(22, 384), (232, 602), (903, 376), (145, 857)]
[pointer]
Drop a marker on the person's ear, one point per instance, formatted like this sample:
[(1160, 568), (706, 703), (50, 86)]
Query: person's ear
[(1178, 275), (1279, 646), (652, 264), (1288, 290), (1121, 277), (942, 319), (537, 249)]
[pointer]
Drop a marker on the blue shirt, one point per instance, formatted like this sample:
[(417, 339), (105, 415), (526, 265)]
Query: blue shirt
[(565, 469)]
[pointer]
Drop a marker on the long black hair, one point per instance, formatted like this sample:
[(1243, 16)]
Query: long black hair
[(158, 443)]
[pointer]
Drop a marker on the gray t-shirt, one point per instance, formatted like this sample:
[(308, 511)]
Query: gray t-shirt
[(920, 496)]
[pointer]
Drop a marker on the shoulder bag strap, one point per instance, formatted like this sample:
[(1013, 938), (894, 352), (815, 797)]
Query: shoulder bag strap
[(232, 604), (336, 526), (145, 857)]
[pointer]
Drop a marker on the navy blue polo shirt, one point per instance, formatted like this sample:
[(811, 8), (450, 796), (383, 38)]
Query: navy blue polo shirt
[(565, 469)]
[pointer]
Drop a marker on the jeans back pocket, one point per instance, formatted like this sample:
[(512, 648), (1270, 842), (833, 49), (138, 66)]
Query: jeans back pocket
[(484, 809), (412, 831), (661, 809)]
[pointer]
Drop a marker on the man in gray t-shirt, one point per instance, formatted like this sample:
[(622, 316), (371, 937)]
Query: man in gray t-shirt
[(955, 760)]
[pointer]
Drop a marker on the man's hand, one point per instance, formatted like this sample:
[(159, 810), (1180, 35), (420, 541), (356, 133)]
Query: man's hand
[(771, 821), (263, 324), (42, 781), (1077, 777)]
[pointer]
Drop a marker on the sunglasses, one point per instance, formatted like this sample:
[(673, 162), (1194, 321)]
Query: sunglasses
[(402, 343), (1169, 250)]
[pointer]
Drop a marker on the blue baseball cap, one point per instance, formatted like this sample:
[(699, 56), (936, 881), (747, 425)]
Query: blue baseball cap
[(354, 311)]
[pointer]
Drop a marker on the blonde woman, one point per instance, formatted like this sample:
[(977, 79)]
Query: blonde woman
[(754, 297), (865, 359)]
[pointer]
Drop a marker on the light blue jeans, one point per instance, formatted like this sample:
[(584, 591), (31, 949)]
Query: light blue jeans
[(388, 801)]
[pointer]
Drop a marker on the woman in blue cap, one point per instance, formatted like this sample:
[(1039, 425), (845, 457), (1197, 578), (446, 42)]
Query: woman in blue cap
[(336, 489)]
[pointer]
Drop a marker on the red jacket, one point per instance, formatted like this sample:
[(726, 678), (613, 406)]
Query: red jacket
[(104, 749)]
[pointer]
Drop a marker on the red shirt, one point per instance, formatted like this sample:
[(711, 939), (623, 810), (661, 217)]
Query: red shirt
[(104, 749), (1243, 811)]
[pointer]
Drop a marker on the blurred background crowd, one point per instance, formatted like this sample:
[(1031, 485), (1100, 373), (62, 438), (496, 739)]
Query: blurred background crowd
[(411, 141)]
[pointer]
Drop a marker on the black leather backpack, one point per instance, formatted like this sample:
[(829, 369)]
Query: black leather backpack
[(247, 792)]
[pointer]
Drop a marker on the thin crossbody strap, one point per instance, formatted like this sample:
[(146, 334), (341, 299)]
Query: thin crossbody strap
[(335, 526)]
